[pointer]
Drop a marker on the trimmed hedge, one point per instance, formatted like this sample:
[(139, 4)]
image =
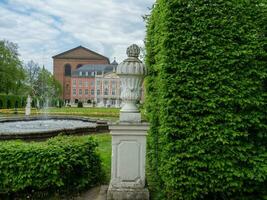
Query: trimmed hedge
[(16, 101), (61, 163), (207, 99), (12, 101)]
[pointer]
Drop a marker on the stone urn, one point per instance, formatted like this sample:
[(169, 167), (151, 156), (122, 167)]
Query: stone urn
[(131, 73)]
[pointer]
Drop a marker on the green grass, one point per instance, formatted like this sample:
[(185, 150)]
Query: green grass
[(106, 113), (104, 149)]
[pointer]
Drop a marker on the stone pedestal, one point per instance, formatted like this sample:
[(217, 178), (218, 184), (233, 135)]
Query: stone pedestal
[(128, 161), (133, 117)]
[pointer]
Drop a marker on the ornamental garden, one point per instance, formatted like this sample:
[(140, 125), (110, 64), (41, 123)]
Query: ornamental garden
[(201, 123)]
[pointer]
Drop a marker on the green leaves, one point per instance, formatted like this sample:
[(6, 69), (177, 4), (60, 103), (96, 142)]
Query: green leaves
[(206, 99), (60, 163), (11, 72)]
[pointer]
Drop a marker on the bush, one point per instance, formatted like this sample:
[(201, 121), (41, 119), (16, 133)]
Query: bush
[(207, 94), (61, 163), (11, 101), (80, 104)]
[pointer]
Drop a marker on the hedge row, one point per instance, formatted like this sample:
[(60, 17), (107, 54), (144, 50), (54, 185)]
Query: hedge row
[(61, 163), (12, 101), (16, 101), (207, 99)]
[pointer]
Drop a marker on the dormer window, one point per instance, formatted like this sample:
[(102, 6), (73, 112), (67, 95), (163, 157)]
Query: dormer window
[(86, 73), (80, 73)]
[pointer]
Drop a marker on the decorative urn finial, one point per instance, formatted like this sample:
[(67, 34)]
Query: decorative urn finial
[(133, 51), (131, 72)]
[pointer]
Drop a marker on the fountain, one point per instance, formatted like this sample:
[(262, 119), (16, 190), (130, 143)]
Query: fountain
[(45, 126), (38, 127)]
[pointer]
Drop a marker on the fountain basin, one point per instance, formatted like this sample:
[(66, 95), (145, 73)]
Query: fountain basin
[(34, 128)]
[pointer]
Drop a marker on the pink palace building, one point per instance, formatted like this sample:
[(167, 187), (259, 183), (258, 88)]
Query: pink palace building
[(96, 84)]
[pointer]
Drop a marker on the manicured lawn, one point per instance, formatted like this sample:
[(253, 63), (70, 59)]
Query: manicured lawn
[(104, 148), (106, 113)]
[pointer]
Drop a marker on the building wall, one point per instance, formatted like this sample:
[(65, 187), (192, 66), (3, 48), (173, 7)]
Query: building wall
[(82, 89), (59, 71), (106, 90)]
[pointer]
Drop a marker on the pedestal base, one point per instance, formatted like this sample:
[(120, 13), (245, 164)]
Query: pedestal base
[(127, 193), (130, 117)]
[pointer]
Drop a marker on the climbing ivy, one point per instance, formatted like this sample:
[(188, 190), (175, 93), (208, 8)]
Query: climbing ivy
[(206, 99)]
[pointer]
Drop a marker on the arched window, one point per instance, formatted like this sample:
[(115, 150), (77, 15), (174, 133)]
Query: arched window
[(78, 66), (67, 70)]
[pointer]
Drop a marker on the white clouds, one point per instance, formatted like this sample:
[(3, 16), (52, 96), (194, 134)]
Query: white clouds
[(43, 28)]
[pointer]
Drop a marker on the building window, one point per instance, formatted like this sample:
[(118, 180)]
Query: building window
[(92, 83), (86, 92), (67, 68), (80, 83), (106, 82), (86, 73), (98, 92), (86, 83), (113, 83), (80, 91), (98, 100), (106, 91), (80, 73), (113, 91), (78, 66), (92, 92), (74, 83), (74, 92), (92, 73), (98, 83)]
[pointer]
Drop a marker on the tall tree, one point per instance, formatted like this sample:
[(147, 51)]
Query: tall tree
[(46, 86), (32, 70), (11, 70)]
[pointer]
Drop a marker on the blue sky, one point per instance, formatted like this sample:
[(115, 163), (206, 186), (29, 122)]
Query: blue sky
[(43, 28)]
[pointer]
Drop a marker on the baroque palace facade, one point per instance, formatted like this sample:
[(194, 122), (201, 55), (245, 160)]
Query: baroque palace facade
[(88, 77)]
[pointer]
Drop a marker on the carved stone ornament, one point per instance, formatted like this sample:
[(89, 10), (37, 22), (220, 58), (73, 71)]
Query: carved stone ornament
[(131, 72)]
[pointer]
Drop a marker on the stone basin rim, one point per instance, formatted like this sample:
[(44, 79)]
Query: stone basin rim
[(100, 126)]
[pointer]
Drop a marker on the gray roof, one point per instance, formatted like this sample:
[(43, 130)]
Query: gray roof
[(94, 68)]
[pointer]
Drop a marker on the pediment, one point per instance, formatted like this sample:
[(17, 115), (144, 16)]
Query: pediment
[(80, 53)]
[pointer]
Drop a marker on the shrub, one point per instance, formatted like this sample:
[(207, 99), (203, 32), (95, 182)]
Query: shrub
[(11, 101), (61, 163), (206, 100), (80, 104)]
